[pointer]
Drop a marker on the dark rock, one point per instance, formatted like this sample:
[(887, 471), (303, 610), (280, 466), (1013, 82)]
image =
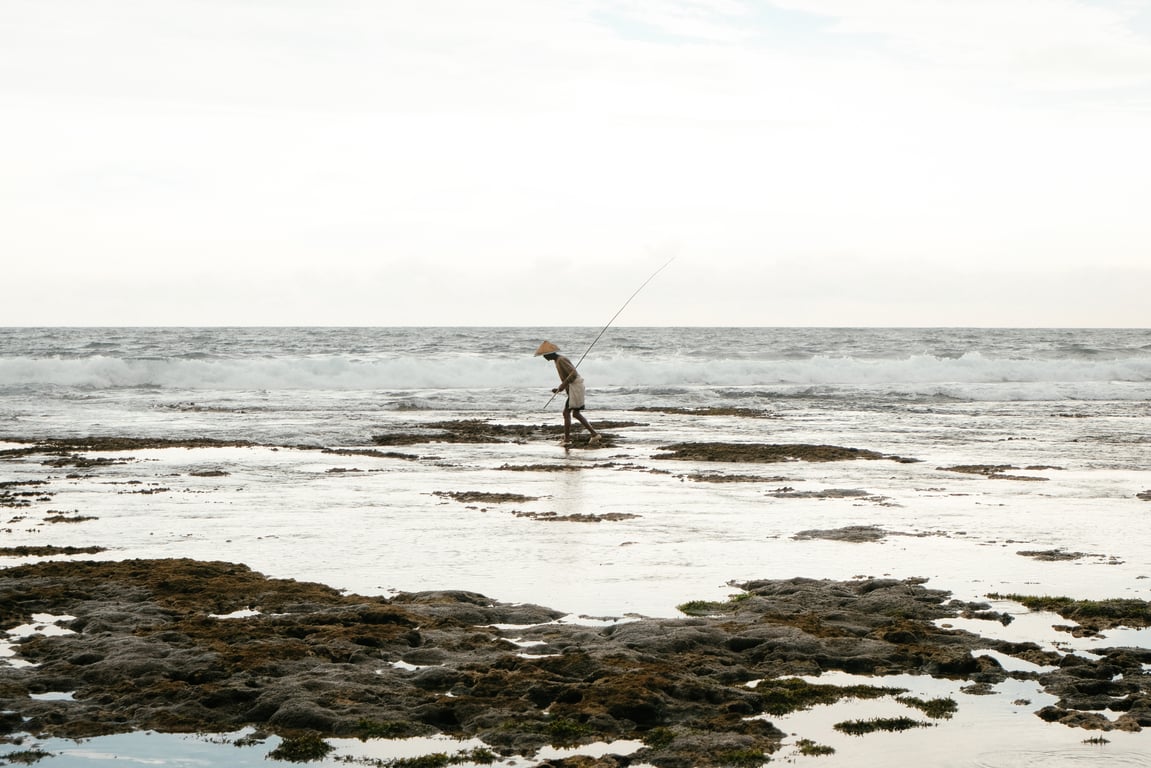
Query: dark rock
[(302, 714), (147, 654)]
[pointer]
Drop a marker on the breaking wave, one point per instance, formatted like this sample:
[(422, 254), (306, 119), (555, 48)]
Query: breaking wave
[(970, 375)]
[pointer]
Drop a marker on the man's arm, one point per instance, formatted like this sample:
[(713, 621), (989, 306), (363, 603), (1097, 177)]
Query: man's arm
[(567, 373)]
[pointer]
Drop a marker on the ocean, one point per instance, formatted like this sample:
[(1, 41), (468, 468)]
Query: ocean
[(326, 385), (1063, 414)]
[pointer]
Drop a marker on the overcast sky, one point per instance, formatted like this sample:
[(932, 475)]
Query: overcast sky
[(532, 162)]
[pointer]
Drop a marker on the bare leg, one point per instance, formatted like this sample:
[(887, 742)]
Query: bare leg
[(579, 415), (568, 424)]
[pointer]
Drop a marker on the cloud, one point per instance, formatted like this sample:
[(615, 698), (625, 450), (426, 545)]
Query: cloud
[(299, 150), (712, 21), (1048, 44)]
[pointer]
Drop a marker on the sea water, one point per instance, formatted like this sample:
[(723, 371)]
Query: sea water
[(1068, 410), (334, 385)]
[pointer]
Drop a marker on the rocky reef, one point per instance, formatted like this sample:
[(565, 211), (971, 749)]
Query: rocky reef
[(191, 646)]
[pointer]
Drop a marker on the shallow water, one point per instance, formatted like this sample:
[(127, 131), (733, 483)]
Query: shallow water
[(987, 731), (1048, 405)]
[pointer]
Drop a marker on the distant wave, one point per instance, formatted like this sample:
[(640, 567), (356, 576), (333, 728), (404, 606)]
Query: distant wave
[(328, 373), (917, 373)]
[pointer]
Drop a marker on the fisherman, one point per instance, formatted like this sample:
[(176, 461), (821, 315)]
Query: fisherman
[(572, 383)]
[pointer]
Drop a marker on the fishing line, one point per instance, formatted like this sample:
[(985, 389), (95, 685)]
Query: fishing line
[(613, 317)]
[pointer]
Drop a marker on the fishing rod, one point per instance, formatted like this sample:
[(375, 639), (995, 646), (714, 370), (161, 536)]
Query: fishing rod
[(613, 317)]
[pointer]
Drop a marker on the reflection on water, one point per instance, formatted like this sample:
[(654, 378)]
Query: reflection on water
[(239, 750), (992, 730), (1087, 756), (1074, 427)]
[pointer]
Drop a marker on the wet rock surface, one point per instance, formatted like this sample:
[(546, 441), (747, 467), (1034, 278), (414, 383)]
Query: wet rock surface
[(485, 431), (767, 453), (997, 471), (853, 533), (183, 645)]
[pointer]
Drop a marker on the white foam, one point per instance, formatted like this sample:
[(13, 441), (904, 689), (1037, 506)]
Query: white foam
[(971, 375), (243, 613)]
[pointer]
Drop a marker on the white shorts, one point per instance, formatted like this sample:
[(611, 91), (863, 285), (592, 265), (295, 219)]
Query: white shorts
[(576, 394)]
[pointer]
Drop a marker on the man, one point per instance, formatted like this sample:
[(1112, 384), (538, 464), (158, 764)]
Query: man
[(571, 383)]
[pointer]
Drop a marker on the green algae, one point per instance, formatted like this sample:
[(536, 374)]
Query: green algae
[(741, 758), (478, 756), (47, 551), (301, 748), (701, 477), (482, 431), (660, 737), (566, 732), (712, 607), (766, 453), (483, 497), (25, 756), (1113, 612), (890, 724), (787, 695), (936, 709), (391, 729), (809, 748), (994, 471)]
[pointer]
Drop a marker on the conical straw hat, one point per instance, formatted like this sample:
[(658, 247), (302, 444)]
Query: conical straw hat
[(546, 349)]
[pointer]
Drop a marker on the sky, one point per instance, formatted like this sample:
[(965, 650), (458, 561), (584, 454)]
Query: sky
[(533, 162)]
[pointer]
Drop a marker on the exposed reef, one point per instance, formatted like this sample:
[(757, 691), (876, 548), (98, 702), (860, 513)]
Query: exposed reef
[(484, 431), (766, 453), (182, 646)]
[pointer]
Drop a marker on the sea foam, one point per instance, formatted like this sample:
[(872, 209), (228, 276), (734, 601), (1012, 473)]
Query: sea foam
[(1128, 378)]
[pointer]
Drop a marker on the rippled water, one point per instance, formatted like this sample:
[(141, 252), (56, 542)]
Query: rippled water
[(1068, 409)]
